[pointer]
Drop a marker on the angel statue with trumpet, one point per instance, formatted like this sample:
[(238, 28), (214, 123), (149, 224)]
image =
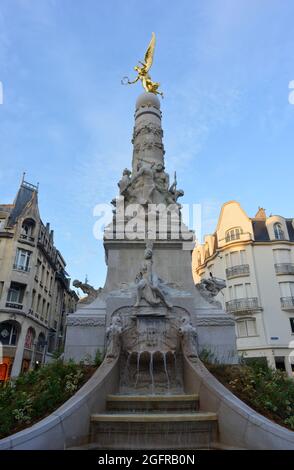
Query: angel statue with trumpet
[(143, 75)]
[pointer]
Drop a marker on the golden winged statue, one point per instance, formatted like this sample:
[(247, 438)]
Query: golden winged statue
[(143, 75)]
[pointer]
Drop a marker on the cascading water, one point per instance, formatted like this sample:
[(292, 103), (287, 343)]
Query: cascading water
[(151, 372), (165, 369)]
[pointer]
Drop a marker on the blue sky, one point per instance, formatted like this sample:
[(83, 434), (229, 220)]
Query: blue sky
[(224, 66)]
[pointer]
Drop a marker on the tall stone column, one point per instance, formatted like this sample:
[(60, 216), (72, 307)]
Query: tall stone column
[(288, 367), (17, 363), (147, 135)]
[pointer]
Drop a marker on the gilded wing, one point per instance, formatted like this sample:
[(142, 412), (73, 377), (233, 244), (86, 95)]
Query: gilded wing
[(149, 53)]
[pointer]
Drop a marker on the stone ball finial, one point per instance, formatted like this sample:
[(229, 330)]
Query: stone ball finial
[(147, 99)]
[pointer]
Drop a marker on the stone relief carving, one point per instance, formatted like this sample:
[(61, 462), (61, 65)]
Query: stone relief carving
[(209, 288), (91, 292), (148, 283), (147, 129)]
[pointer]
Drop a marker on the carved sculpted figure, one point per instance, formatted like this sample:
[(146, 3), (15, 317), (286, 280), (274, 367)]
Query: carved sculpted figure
[(161, 179), (143, 75), (91, 292), (125, 181), (174, 192), (188, 336), (143, 184), (113, 337), (148, 283), (211, 287)]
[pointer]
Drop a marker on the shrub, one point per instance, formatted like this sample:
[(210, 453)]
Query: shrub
[(37, 393), (268, 391)]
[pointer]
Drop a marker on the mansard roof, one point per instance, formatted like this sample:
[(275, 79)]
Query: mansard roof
[(24, 195)]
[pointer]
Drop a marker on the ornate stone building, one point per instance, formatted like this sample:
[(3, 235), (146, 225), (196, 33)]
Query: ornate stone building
[(256, 258), (35, 294)]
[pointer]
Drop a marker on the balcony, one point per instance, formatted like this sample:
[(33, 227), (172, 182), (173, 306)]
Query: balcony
[(15, 305), (245, 304), (27, 237), (19, 267), (236, 271), (284, 268), (287, 303)]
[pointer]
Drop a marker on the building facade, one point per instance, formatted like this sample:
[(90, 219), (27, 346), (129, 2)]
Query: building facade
[(35, 294), (256, 258)]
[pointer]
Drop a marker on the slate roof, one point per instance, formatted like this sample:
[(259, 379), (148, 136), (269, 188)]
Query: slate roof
[(24, 195), (260, 231)]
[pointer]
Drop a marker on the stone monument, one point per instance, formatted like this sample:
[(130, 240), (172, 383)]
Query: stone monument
[(149, 309)]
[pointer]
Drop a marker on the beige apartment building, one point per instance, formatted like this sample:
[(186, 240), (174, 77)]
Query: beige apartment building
[(35, 294), (256, 258)]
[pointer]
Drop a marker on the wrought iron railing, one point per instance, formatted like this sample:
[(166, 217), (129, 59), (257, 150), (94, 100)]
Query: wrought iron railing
[(242, 305), (287, 302), (239, 270), (284, 268)]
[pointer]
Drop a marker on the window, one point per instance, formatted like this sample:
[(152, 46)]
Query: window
[(41, 342), (38, 303), (2, 224), (246, 327), (15, 293), (27, 229), (279, 232), (8, 334), (33, 299), (292, 324), (47, 313), (282, 256), (286, 289), (233, 234), (29, 340), (42, 274), (22, 260)]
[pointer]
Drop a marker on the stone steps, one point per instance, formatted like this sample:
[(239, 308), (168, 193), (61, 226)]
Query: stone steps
[(153, 422), (152, 403)]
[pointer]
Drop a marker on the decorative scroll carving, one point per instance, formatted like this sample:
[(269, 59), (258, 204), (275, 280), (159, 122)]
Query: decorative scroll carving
[(215, 320), (87, 321)]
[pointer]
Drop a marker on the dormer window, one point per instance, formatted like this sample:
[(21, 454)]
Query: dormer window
[(27, 229), (279, 232), (233, 234)]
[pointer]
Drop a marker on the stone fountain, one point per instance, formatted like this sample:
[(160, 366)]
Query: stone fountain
[(149, 310), (151, 323)]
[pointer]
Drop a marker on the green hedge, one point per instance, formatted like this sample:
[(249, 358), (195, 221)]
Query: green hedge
[(268, 391), (37, 393)]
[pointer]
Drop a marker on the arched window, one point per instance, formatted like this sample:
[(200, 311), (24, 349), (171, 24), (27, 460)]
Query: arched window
[(27, 229), (41, 342), (279, 232), (8, 333), (30, 336), (233, 234)]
